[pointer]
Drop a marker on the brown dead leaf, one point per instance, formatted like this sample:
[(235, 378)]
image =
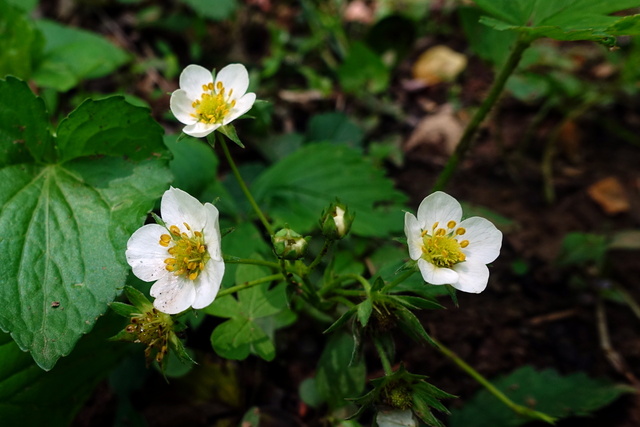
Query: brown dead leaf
[(437, 134), (439, 64), (610, 195)]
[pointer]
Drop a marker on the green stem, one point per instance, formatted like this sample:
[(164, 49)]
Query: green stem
[(250, 284), (401, 278), (325, 248), (243, 186), (469, 133), (384, 359), (235, 260), (519, 409)]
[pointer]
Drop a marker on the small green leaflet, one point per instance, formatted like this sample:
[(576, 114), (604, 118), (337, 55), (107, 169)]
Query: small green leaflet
[(253, 317), (69, 204)]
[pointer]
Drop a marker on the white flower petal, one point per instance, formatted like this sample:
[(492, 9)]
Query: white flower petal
[(144, 253), (436, 275), (207, 284), (236, 77), (243, 105), (396, 418), (199, 129), (192, 78), (180, 105), (173, 294), (211, 231), (472, 277), (438, 207), (413, 232), (484, 239), (178, 206)]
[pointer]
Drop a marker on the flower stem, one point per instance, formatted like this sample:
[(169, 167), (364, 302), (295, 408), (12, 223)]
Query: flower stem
[(384, 359), (235, 260), (494, 93), (325, 248), (518, 409), (243, 186), (401, 278), (250, 284)]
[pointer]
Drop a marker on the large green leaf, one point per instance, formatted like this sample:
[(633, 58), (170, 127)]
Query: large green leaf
[(296, 190), (64, 225), (562, 19), (72, 54), (21, 43), (561, 397), (30, 396)]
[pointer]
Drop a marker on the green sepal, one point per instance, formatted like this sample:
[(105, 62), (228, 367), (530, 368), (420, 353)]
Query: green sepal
[(158, 220), (124, 310), (138, 299), (342, 320), (410, 325), (415, 303), (364, 311), (452, 293), (230, 132)]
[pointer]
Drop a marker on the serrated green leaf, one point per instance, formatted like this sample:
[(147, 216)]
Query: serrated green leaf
[(105, 127), (297, 189), (336, 128), (558, 396), (24, 128), (336, 380), (71, 55), (237, 337), (562, 19), (30, 396), (21, 43), (64, 226)]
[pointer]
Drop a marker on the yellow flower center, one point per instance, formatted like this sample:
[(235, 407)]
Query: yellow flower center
[(442, 248), (188, 254), (213, 105)]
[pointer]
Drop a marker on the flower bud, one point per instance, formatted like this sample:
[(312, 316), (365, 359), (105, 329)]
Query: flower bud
[(336, 221), (288, 244)]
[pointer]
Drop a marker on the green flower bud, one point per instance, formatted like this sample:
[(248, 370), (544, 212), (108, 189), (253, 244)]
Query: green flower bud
[(288, 244), (336, 221)]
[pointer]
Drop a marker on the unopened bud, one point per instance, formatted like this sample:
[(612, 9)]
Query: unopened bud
[(288, 244), (336, 221)]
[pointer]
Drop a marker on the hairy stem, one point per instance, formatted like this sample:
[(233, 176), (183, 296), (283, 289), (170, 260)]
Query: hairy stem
[(470, 131), (519, 409), (243, 185)]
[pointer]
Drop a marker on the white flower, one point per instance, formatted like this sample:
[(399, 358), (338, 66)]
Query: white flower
[(184, 257), (449, 251), (396, 418), (204, 105)]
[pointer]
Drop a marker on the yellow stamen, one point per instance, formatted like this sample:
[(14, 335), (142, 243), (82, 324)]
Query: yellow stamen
[(451, 224), (460, 231), (464, 243)]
